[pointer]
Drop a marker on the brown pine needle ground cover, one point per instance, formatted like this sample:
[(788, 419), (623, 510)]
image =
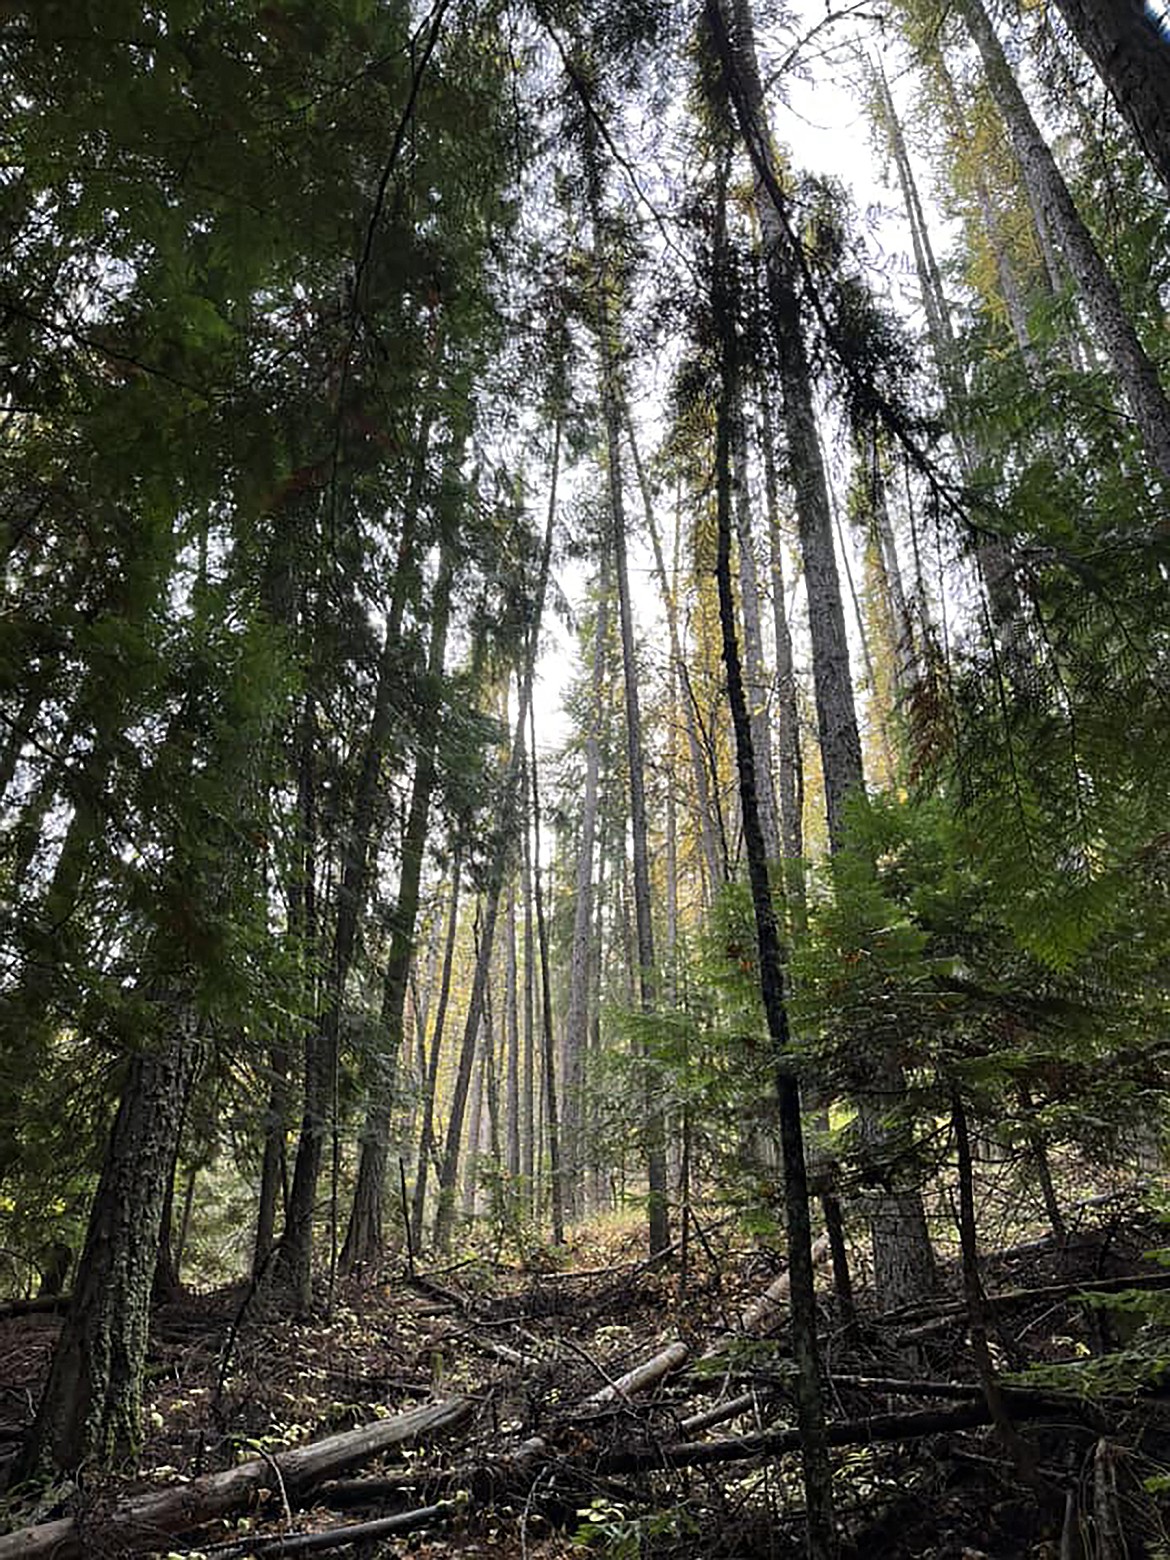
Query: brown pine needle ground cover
[(540, 1457)]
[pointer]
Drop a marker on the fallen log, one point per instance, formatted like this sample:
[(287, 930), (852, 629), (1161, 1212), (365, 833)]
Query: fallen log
[(642, 1376), (720, 1413), (765, 1312), (138, 1524), (872, 1430), (325, 1539), (41, 1305), (482, 1478), (1004, 1299)]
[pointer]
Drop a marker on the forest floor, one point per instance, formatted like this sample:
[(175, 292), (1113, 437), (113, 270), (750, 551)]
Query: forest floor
[(526, 1460)]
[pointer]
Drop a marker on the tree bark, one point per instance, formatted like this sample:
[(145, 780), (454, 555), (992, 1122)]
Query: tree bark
[(1131, 54), (91, 1409)]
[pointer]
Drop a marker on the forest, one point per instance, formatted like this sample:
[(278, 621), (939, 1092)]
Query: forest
[(584, 822)]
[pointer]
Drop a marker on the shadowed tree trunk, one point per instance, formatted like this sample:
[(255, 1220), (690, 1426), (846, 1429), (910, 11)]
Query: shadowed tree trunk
[(1131, 54), (91, 1409)]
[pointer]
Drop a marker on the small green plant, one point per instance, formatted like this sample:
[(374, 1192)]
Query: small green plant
[(611, 1529)]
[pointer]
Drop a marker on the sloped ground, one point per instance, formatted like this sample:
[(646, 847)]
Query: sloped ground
[(540, 1472)]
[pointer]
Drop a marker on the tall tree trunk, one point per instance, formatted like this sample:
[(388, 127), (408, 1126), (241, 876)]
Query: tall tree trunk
[(364, 1239), (1046, 186), (528, 1154), (790, 766), (577, 1020), (555, 1176), (512, 1068), (810, 1409), (712, 856), (273, 1191), (757, 684), (659, 1221), (470, 1168), (502, 848), (903, 1260), (1131, 54), (426, 1145)]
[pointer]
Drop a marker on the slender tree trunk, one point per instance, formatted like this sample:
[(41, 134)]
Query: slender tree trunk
[(790, 765), (550, 1072), (273, 1191), (903, 1260), (577, 1020), (427, 1129), (1135, 372), (528, 1154), (707, 831), (512, 1018), (758, 683), (364, 1239), (879, 717), (659, 1222), (501, 854), (810, 1409), (470, 1169), (906, 668)]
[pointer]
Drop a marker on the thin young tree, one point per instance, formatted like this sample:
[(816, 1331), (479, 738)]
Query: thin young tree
[(815, 1452)]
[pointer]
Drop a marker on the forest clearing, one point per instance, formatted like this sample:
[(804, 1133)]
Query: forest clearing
[(584, 824)]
